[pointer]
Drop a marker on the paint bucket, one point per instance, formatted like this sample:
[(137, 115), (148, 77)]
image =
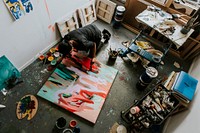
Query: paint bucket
[(135, 110), (77, 130), (67, 130), (118, 16), (119, 13), (53, 62), (72, 123), (56, 54), (61, 123), (41, 57), (121, 129), (146, 78)]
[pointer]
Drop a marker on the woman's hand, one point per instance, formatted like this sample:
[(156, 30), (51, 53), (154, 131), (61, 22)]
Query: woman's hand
[(94, 60)]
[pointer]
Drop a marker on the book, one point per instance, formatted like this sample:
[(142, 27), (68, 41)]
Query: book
[(185, 86), (170, 80)]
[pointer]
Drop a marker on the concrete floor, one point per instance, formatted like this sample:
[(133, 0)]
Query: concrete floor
[(121, 95)]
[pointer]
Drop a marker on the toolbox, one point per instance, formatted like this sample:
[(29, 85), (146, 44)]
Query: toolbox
[(153, 109)]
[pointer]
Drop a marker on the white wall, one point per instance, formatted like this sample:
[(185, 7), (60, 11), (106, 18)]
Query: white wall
[(22, 40), (188, 121)]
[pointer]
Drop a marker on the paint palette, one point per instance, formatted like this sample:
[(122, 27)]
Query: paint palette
[(27, 106)]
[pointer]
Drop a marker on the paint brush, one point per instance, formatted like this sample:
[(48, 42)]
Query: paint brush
[(2, 106)]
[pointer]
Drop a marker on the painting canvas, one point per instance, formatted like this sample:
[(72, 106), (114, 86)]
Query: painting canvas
[(8, 72), (28, 6), (82, 93), (16, 8)]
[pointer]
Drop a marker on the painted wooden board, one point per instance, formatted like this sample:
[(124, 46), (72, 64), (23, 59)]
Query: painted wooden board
[(105, 10), (87, 13), (79, 92), (27, 106), (68, 23)]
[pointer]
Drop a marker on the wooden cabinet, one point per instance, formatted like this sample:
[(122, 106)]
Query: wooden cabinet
[(133, 8)]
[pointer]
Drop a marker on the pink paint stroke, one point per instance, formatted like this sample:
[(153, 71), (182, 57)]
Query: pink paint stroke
[(46, 5)]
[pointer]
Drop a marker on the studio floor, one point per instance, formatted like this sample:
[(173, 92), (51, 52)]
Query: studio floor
[(121, 96)]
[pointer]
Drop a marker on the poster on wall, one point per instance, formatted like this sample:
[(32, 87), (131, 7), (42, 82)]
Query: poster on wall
[(28, 6), (18, 8)]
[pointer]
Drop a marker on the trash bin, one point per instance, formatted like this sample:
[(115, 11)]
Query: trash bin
[(119, 14)]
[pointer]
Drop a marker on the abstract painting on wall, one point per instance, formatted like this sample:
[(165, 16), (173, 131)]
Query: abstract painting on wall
[(8, 73), (28, 6), (82, 93), (18, 8)]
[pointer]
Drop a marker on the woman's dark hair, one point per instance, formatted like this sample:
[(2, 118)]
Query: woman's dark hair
[(67, 38), (64, 48)]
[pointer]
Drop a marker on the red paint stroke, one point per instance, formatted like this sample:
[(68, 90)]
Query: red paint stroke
[(53, 28), (84, 64), (75, 102), (49, 27), (47, 9), (121, 78)]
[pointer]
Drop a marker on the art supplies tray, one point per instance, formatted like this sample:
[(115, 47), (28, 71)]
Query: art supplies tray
[(154, 108)]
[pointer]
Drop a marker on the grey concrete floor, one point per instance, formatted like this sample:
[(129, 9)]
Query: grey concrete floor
[(121, 96)]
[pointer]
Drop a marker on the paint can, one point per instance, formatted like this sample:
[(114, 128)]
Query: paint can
[(77, 130), (73, 123), (121, 129), (146, 78), (119, 14), (67, 130), (53, 62), (61, 123), (135, 110)]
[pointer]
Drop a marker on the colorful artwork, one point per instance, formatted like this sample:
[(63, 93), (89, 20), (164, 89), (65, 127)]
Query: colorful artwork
[(18, 8), (28, 7), (27, 106), (82, 93), (8, 73)]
